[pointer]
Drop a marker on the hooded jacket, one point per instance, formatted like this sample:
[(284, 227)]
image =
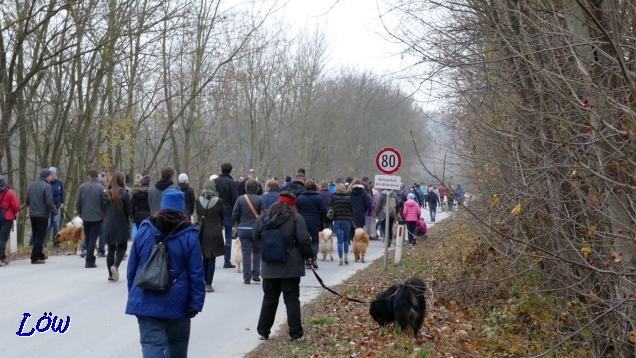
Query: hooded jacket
[(9, 203), (294, 230), (185, 262), (156, 192), (411, 211)]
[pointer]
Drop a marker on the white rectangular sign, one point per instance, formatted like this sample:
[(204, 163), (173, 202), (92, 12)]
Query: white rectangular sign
[(389, 182)]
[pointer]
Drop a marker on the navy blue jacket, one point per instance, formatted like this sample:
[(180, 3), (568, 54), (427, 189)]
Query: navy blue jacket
[(228, 192), (186, 271), (270, 197), (312, 209), (58, 192), (360, 204)]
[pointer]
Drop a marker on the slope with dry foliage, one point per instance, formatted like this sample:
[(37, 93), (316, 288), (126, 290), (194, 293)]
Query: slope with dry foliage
[(478, 305)]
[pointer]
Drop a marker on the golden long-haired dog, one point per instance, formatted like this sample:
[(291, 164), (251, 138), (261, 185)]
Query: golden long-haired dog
[(237, 255), (360, 244), (325, 246), (74, 235)]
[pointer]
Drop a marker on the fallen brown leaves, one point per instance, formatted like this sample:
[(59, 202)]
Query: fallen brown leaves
[(469, 314)]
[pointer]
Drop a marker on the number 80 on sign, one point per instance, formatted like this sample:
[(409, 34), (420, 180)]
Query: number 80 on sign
[(388, 160)]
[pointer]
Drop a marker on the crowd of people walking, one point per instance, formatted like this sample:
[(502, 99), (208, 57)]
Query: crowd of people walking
[(196, 229)]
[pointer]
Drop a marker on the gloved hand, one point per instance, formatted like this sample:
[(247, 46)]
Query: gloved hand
[(191, 312)]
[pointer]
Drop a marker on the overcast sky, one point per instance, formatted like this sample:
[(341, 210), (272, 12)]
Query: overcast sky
[(354, 33)]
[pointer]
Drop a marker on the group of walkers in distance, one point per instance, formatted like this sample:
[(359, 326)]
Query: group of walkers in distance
[(198, 229)]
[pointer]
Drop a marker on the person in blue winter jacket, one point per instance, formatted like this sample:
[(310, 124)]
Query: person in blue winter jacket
[(164, 318)]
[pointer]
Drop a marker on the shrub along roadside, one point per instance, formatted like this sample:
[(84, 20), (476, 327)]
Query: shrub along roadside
[(479, 304)]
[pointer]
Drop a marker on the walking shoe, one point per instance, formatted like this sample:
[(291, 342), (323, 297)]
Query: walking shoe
[(83, 253), (208, 288), (1, 263), (90, 265), (114, 272), (228, 265), (101, 254), (298, 340), (346, 261), (341, 262), (6, 261), (247, 282), (37, 261), (110, 278), (263, 337), (256, 278)]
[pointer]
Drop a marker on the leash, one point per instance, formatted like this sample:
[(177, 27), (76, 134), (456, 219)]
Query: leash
[(334, 292), (65, 214)]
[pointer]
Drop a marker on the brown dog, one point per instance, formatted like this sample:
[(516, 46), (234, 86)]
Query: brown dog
[(360, 244), (74, 235)]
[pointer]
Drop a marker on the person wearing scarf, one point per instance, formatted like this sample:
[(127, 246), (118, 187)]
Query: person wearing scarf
[(209, 210)]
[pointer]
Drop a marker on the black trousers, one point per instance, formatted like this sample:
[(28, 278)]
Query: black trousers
[(5, 231), (91, 231), (272, 288), (38, 226), (115, 255)]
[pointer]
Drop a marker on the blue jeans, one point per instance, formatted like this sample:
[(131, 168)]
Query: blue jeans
[(342, 228), (252, 254), (53, 229), (432, 209), (227, 225), (164, 337)]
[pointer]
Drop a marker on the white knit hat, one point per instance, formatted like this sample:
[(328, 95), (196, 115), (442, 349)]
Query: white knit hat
[(183, 178)]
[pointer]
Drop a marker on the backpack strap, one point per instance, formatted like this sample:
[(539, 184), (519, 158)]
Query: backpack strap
[(249, 203)]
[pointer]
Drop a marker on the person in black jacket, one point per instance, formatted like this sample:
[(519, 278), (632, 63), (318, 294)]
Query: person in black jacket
[(251, 175), (284, 276), (187, 191), (116, 224), (140, 208), (342, 217), (360, 202), (226, 187), (297, 186), (156, 192), (313, 210)]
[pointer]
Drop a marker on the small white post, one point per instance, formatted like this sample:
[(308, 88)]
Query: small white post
[(13, 239), (399, 239)]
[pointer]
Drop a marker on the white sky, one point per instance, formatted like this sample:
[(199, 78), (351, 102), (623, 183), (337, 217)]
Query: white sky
[(354, 33)]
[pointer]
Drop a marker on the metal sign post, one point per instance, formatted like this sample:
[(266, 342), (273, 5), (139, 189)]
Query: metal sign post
[(388, 161)]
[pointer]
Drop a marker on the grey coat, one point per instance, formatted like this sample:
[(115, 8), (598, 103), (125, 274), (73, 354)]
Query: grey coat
[(117, 221), (89, 201), (293, 228), (40, 199)]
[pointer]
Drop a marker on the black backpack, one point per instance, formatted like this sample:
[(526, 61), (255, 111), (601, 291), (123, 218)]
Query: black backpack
[(275, 245)]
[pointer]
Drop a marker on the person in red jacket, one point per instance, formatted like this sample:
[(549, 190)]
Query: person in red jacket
[(9, 207), (411, 213)]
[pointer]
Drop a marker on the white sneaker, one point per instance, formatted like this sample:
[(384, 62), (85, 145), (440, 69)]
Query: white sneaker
[(114, 273)]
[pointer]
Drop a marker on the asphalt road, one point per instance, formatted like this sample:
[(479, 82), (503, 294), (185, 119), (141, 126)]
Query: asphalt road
[(99, 327)]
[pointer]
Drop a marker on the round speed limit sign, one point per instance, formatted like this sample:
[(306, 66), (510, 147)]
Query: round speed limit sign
[(388, 160)]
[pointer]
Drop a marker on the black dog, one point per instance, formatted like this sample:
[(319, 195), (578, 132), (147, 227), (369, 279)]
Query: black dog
[(382, 307), (405, 304)]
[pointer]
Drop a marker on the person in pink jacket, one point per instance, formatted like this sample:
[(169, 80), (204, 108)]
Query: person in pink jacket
[(411, 213)]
